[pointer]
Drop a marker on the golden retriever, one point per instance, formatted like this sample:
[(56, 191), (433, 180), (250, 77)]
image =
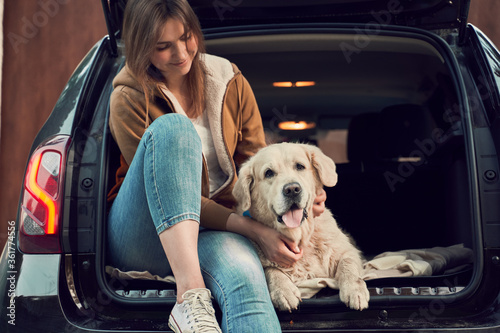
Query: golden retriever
[(278, 186)]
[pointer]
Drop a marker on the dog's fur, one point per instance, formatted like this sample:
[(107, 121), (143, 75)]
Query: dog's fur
[(288, 176)]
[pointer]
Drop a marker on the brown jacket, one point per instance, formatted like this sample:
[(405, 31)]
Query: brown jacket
[(235, 124)]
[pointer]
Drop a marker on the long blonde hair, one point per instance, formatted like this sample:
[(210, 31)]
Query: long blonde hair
[(142, 28)]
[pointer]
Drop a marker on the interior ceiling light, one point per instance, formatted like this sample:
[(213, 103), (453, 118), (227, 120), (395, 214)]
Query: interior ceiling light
[(305, 83), (296, 125), (288, 84)]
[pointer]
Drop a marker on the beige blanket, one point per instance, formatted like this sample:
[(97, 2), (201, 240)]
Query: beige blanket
[(418, 262)]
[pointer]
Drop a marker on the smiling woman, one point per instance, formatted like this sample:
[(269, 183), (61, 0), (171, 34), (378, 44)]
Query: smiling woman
[(174, 52), (176, 115), (178, 43), (173, 58)]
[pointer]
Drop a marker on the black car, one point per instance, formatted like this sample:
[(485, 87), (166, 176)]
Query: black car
[(404, 95)]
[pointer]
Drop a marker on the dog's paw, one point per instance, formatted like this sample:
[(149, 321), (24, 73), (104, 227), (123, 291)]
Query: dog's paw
[(355, 295), (286, 299)]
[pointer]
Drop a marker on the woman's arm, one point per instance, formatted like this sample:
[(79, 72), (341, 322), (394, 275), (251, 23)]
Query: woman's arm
[(275, 246), (126, 121)]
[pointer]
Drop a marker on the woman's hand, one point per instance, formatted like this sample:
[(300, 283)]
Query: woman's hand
[(319, 204), (276, 247)]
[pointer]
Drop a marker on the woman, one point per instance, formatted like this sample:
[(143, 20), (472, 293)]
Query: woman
[(183, 120)]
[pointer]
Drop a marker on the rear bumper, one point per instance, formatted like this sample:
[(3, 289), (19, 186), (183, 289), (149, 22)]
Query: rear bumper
[(30, 301)]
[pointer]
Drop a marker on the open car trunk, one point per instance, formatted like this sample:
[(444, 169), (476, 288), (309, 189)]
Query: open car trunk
[(387, 108), (388, 115)]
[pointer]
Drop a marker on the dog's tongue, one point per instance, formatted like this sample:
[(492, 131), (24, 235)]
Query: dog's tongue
[(293, 217)]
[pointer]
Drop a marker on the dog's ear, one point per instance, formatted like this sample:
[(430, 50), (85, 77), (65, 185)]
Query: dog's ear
[(324, 165), (241, 189)]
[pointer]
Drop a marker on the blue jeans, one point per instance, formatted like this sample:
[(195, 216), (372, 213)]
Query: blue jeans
[(163, 187)]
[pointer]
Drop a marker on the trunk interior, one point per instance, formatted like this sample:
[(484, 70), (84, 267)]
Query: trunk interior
[(386, 108)]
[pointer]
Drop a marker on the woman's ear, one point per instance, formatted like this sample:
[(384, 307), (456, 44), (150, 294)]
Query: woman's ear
[(241, 189), (324, 165)]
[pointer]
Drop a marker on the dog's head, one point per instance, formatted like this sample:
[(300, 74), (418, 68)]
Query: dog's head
[(279, 184)]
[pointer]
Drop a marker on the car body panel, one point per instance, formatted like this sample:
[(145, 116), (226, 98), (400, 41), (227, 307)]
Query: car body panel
[(428, 14), (425, 14)]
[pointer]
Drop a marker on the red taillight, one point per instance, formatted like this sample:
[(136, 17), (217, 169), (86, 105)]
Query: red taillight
[(43, 197)]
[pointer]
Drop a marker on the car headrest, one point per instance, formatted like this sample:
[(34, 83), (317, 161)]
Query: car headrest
[(403, 128), (393, 133), (362, 138)]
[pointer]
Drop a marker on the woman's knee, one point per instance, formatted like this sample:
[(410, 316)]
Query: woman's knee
[(174, 128), (175, 137)]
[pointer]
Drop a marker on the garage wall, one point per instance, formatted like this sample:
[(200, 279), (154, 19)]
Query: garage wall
[(485, 14), (43, 42), (1, 64)]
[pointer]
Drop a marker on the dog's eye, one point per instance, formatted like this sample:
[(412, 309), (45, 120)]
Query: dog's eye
[(269, 173), (299, 166)]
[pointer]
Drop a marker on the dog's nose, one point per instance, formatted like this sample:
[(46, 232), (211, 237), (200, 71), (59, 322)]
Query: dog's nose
[(291, 190)]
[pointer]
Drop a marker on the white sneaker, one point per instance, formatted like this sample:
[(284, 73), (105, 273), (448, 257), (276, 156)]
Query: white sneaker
[(195, 314)]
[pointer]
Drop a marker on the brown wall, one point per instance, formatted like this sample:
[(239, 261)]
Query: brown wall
[(485, 15), (43, 45)]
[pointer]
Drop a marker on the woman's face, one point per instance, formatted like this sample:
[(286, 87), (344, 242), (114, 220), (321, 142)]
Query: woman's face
[(175, 51)]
